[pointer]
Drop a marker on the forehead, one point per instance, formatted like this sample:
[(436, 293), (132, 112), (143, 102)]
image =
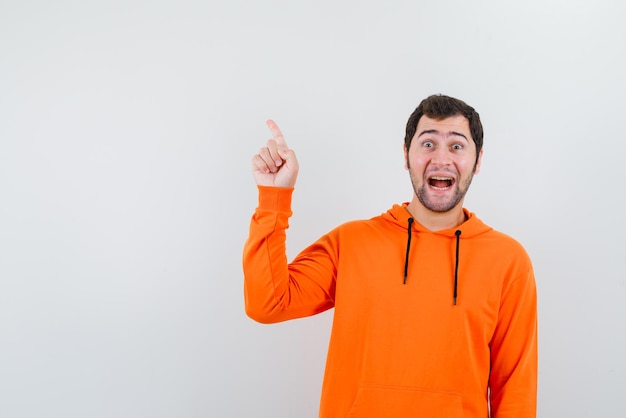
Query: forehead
[(445, 127)]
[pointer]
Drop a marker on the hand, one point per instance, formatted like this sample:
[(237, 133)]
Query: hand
[(275, 165)]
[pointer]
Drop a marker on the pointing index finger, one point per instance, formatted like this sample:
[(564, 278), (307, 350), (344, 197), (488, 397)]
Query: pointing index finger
[(277, 135)]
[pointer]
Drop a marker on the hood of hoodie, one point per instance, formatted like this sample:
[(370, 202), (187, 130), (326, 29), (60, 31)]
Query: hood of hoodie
[(472, 226)]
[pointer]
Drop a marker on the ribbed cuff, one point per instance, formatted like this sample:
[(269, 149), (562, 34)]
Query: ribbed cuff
[(275, 198)]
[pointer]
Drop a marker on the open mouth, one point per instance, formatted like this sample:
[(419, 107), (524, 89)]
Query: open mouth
[(440, 183)]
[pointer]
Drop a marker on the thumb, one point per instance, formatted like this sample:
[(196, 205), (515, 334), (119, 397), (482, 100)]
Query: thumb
[(285, 153)]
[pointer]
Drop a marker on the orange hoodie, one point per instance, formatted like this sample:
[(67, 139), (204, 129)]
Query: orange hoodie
[(456, 338)]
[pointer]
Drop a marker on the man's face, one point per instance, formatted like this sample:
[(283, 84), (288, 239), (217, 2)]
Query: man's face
[(441, 162)]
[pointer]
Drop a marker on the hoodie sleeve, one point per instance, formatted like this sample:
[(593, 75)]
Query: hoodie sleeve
[(513, 379), (274, 289)]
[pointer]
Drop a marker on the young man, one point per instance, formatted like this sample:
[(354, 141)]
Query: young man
[(435, 312)]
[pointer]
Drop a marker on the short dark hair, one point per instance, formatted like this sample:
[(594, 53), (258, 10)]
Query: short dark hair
[(440, 107)]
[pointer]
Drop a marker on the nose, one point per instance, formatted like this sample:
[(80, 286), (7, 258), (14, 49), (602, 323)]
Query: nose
[(441, 157)]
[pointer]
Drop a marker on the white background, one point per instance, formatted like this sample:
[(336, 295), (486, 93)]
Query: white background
[(126, 132)]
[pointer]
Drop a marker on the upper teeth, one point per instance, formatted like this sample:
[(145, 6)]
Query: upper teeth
[(440, 178)]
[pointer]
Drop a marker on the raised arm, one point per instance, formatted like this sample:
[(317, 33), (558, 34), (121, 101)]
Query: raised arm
[(274, 289)]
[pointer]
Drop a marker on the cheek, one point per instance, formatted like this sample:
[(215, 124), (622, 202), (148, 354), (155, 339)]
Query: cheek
[(418, 162), (466, 166)]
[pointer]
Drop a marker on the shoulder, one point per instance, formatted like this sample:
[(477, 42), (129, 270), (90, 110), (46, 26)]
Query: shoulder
[(366, 228), (505, 240), (503, 247), (488, 237)]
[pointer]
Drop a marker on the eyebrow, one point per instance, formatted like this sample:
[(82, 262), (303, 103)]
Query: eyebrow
[(436, 132)]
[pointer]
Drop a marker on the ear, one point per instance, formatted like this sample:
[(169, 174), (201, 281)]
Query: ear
[(406, 157), (477, 166)]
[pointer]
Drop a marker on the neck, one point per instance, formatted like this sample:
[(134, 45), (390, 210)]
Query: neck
[(436, 221)]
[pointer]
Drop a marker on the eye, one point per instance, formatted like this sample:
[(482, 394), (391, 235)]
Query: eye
[(428, 144), (457, 147)]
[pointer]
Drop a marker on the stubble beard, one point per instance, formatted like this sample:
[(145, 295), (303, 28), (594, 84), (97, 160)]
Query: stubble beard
[(436, 205)]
